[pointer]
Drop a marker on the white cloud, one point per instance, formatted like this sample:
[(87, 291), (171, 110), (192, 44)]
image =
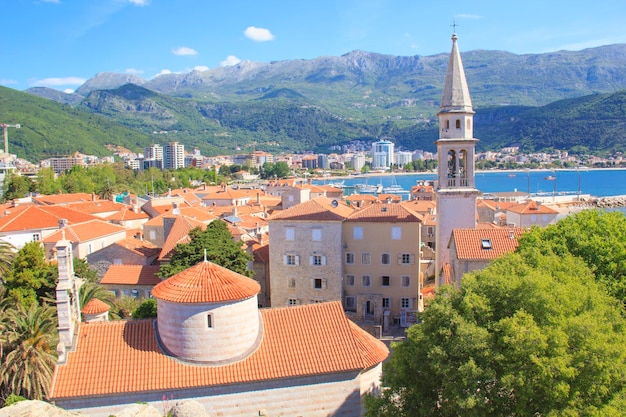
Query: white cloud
[(164, 72), (68, 91), (230, 61), (5, 81), (58, 81), (183, 50), (258, 34), (139, 2), (133, 71), (52, 1), (200, 68)]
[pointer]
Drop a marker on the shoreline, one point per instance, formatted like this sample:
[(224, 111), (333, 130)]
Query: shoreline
[(506, 171)]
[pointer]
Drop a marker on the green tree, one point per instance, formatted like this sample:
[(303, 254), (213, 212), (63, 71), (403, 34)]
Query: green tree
[(29, 340), (90, 290), (598, 237), (530, 335), (220, 248), (7, 255), (46, 182), (147, 309), (31, 279), (17, 186)]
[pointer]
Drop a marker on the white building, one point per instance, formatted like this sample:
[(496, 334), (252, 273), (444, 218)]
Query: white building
[(382, 154), (402, 158), (358, 161), (174, 156)]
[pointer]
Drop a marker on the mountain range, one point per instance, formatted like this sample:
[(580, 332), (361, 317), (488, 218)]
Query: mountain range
[(565, 100)]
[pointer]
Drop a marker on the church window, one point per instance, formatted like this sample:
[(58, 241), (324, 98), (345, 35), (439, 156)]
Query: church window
[(458, 123), (447, 124), (468, 124)]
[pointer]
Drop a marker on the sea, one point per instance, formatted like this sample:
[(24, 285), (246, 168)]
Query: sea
[(594, 182)]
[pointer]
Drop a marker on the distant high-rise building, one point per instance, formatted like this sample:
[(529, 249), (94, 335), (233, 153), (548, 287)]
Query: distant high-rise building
[(358, 161), (174, 155), (153, 151), (322, 161), (402, 158), (382, 154)]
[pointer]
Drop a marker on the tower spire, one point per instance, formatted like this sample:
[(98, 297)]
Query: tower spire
[(456, 96)]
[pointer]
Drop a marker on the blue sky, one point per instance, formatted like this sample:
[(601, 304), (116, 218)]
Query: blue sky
[(62, 43)]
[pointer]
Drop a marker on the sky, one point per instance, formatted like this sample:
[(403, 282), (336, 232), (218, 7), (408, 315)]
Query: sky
[(62, 43)]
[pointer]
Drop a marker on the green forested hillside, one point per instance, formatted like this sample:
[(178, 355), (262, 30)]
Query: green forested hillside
[(51, 129), (287, 121)]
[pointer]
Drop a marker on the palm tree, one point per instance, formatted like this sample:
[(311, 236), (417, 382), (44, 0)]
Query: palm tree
[(90, 290), (7, 255), (29, 338)]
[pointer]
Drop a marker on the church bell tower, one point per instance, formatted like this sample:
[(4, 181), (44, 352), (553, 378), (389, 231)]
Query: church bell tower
[(456, 190)]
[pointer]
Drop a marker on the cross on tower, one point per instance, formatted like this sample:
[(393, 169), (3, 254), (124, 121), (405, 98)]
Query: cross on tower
[(454, 25)]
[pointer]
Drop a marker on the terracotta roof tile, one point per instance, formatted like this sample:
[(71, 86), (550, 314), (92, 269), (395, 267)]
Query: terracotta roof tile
[(98, 206), (318, 209), (485, 243), (64, 198), (39, 217), (95, 306), (86, 231), (206, 282), (531, 207), (140, 247), (124, 357), (179, 233), (131, 275), (389, 213), (127, 213)]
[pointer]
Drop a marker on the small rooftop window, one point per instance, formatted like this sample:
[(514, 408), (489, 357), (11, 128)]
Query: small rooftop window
[(486, 243)]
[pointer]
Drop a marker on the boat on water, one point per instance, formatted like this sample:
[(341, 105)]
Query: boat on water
[(339, 184), (366, 188), (394, 188), (550, 178)]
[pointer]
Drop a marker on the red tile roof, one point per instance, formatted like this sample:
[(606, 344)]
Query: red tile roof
[(469, 242), (124, 356), (532, 207), (206, 282), (83, 232), (140, 247), (64, 198), (179, 233), (95, 306), (98, 206), (39, 217), (131, 275), (318, 209), (127, 213), (388, 213)]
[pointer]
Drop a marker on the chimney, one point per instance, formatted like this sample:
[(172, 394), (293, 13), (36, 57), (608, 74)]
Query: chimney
[(93, 196), (258, 198), (235, 210)]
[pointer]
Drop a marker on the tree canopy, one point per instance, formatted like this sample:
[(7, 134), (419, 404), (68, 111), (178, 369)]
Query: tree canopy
[(598, 237), (530, 335), (220, 248)]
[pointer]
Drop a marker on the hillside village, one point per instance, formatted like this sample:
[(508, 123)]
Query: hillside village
[(335, 279)]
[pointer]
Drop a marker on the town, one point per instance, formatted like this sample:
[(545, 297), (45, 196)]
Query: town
[(296, 310)]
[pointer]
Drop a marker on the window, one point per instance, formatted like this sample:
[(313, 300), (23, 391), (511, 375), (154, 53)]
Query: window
[(152, 234), (350, 280), (396, 233), (366, 258), (357, 233), (468, 124), (316, 235), (318, 283), (318, 260), (209, 321), (350, 303), (385, 280), (366, 280), (149, 293), (36, 237), (349, 258), (89, 248), (406, 281), (385, 259), (135, 293), (458, 124), (292, 302), (405, 303), (290, 233), (406, 258), (292, 260), (486, 244), (292, 283), (447, 124), (386, 302)]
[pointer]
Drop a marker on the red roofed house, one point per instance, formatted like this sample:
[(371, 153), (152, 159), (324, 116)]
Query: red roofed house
[(128, 251), (474, 249), (135, 281), (86, 237), (531, 213), (212, 344), (23, 224)]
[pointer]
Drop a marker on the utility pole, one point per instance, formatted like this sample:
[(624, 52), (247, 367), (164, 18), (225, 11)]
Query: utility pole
[(6, 135)]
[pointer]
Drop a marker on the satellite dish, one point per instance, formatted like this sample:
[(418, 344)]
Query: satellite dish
[(334, 203)]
